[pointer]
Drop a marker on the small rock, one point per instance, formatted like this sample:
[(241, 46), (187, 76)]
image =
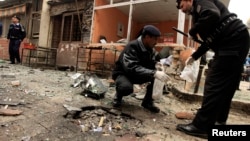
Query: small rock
[(184, 115), (15, 83), (10, 112), (140, 97)]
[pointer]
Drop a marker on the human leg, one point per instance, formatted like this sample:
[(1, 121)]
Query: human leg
[(16, 50), (11, 51), (219, 90), (220, 85), (148, 101), (123, 88)]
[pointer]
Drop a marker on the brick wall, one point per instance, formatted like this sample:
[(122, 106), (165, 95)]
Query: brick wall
[(4, 48)]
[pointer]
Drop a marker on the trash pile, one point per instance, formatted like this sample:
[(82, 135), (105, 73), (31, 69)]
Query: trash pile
[(91, 85), (103, 120)]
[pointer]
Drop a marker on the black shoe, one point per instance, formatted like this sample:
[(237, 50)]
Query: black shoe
[(117, 102), (11, 63), (150, 106), (190, 129)]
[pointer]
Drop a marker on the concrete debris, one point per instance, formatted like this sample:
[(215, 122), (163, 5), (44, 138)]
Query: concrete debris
[(31, 72), (11, 75), (184, 115), (27, 138), (139, 96), (10, 112), (15, 83), (12, 103), (70, 108)]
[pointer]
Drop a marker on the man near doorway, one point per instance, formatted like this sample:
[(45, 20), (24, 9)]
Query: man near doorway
[(136, 65), (16, 34), (222, 32)]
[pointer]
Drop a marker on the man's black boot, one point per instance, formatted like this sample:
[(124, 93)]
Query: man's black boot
[(117, 102), (150, 106), (190, 129)]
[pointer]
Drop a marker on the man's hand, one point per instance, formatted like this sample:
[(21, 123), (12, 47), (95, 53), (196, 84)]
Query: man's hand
[(159, 66), (189, 61), (162, 76)]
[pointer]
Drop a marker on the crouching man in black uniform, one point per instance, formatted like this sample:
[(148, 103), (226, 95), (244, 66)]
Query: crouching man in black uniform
[(222, 32), (15, 35), (136, 65)]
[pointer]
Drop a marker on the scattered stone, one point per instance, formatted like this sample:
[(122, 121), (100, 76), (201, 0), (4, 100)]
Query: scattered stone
[(10, 112), (139, 96), (184, 115), (8, 76), (12, 103), (68, 99), (27, 138), (139, 134), (70, 108), (31, 72), (15, 83)]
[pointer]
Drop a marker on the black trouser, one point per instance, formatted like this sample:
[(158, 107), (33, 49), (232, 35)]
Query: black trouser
[(221, 83), (124, 86), (14, 46)]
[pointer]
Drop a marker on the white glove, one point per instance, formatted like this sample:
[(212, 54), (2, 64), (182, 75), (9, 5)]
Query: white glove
[(162, 76), (159, 66), (189, 61)]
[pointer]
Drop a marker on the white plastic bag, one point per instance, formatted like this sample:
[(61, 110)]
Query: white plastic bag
[(190, 72), (158, 84), (157, 89)]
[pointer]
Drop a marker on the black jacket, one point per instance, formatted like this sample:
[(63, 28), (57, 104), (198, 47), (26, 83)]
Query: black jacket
[(16, 31), (136, 60), (208, 16)]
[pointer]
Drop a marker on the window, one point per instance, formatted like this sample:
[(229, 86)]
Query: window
[(71, 29), (36, 17)]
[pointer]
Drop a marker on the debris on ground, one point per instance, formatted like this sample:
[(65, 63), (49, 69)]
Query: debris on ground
[(10, 112), (48, 106), (184, 115)]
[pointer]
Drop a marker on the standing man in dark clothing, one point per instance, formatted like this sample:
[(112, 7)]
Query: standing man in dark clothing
[(15, 35), (136, 65), (222, 32)]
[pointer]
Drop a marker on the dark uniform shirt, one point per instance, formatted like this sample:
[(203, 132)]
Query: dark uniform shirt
[(16, 31), (213, 22)]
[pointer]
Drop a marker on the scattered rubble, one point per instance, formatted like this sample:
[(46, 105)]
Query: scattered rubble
[(46, 106), (10, 112), (184, 115)]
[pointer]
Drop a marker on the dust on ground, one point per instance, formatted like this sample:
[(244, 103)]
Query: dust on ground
[(53, 110)]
